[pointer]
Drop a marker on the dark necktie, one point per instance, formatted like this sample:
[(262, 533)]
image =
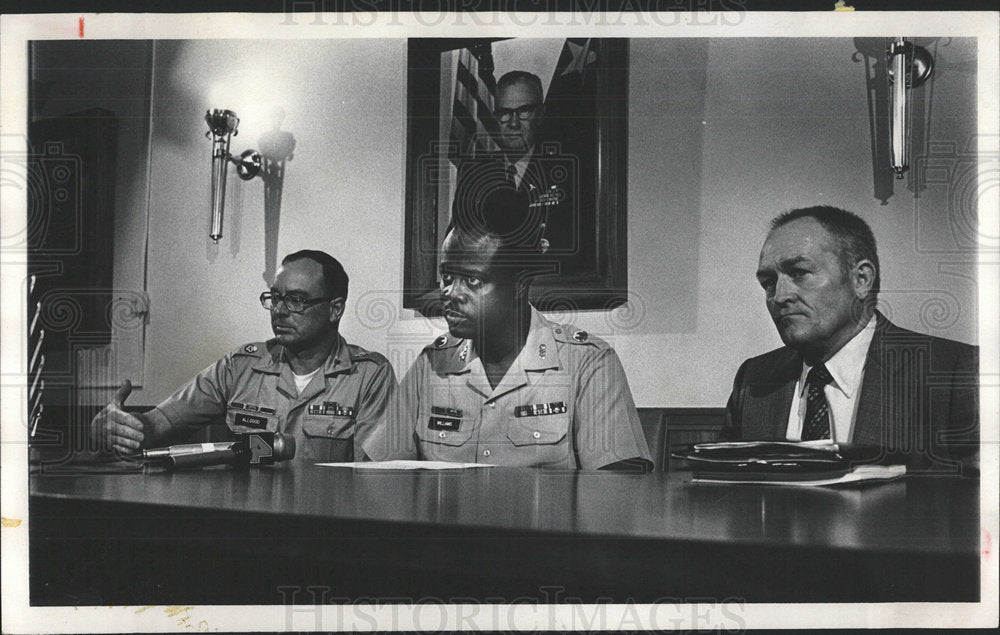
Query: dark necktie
[(511, 175), (816, 425)]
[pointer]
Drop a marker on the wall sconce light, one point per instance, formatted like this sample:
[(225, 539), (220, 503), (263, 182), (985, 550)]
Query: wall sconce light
[(909, 66), (222, 126)]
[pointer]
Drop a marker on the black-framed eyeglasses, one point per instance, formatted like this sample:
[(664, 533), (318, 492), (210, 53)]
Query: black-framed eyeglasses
[(524, 113), (294, 302)]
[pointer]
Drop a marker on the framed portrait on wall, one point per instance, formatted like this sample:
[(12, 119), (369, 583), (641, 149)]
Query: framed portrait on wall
[(562, 140)]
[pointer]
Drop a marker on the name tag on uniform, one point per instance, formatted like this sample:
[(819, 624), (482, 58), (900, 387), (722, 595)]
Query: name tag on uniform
[(250, 421), (444, 423), (541, 409)]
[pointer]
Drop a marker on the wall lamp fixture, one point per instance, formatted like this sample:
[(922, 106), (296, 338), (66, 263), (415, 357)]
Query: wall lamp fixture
[(914, 64), (222, 126)]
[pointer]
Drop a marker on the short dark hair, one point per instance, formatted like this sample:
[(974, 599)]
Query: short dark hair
[(853, 235), (514, 77), (334, 277)]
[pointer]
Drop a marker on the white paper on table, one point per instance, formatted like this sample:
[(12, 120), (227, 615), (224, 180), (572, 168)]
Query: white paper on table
[(820, 444), (860, 474), (405, 465)]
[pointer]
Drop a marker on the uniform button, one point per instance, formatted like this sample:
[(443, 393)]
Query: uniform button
[(486, 452), (442, 435), (536, 434), (493, 405)]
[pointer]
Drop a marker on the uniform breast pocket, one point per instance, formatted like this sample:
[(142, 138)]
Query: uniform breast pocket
[(328, 438), (328, 427), (441, 431), (241, 422), (540, 430)]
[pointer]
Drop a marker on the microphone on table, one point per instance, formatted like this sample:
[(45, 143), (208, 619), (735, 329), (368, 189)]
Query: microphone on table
[(187, 448), (254, 448)]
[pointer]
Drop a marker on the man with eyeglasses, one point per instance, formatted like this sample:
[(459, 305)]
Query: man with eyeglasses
[(518, 109), (506, 386), (307, 381), (544, 176)]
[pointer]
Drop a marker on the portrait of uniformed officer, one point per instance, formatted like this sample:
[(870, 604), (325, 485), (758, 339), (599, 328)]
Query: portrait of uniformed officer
[(307, 381), (533, 164), (506, 386)]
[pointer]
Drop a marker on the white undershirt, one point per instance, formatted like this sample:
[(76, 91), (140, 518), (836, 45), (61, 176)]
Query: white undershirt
[(301, 381), (847, 367)]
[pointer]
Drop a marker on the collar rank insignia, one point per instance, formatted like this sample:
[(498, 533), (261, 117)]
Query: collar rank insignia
[(541, 409), (464, 353), (542, 349), (441, 341), (250, 348), (580, 336)]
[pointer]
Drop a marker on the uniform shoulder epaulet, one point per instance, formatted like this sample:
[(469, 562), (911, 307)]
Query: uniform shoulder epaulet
[(253, 349), (359, 354), (572, 335), (442, 342)]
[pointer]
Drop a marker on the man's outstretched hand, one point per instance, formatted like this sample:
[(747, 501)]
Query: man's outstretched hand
[(116, 429)]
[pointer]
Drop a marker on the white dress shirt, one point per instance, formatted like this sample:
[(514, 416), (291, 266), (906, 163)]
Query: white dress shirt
[(521, 166), (847, 367)]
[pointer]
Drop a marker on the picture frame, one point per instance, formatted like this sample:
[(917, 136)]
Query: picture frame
[(583, 147)]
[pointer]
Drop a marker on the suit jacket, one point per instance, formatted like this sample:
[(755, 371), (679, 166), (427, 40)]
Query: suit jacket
[(919, 398), (549, 186)]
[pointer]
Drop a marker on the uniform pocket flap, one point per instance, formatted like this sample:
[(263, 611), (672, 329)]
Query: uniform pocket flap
[(328, 427), (544, 430), (444, 435)]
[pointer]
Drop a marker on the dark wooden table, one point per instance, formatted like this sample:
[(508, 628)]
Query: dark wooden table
[(219, 536)]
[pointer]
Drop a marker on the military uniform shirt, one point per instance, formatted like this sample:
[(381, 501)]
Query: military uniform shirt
[(253, 389), (565, 402)]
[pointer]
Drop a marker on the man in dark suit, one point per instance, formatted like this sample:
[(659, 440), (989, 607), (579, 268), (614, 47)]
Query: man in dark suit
[(846, 373), (544, 177), (519, 108)]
